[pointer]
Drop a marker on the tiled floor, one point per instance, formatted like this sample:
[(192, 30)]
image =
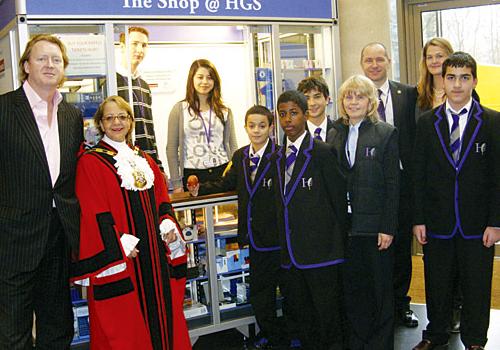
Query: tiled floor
[(405, 338)]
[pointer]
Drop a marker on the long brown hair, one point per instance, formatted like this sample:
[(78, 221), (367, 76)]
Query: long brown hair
[(425, 81), (214, 97)]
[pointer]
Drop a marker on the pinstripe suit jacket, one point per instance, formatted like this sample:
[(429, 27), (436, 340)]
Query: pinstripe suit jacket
[(26, 191)]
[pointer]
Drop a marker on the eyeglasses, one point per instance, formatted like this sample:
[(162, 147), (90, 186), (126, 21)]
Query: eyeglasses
[(122, 117)]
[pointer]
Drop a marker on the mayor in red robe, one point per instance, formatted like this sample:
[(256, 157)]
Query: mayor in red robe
[(132, 255)]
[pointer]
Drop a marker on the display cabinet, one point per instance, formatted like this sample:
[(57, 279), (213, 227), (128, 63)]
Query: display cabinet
[(217, 286)]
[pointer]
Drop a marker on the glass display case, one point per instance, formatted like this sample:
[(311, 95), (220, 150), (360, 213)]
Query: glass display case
[(217, 287)]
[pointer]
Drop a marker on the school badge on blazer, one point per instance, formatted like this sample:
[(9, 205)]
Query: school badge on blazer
[(307, 183), (267, 183), (481, 147), (370, 152)]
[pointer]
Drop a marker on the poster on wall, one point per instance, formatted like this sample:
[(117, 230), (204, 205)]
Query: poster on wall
[(6, 79), (87, 55)]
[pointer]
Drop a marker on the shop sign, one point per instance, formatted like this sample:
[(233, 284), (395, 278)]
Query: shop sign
[(283, 9), (86, 53)]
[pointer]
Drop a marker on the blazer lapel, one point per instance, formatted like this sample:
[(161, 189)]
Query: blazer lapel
[(469, 135), (64, 138), (397, 103), (24, 115), (443, 132), (301, 163)]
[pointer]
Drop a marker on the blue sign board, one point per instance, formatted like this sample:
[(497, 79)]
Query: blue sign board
[(7, 12), (283, 9)]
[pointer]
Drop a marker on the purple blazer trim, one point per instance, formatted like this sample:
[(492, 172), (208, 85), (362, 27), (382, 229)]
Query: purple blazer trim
[(251, 192), (477, 116), (286, 200)]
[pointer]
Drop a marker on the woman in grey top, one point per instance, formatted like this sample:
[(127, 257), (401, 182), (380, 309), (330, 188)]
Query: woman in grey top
[(201, 136)]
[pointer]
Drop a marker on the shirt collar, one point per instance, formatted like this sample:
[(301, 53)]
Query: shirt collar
[(357, 125), (313, 127), (297, 142), (125, 73), (34, 99), (467, 107), (385, 88), (261, 151), (119, 146)]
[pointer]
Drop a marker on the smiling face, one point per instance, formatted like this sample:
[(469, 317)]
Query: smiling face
[(316, 103), (203, 82), (375, 63), (458, 85), (258, 128), (292, 119), (45, 66), (138, 47), (434, 59), (356, 106), (115, 122)]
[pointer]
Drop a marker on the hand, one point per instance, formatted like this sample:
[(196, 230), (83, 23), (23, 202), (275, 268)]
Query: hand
[(491, 236), (170, 237), (178, 190), (193, 190), (421, 233), (133, 253), (384, 241)]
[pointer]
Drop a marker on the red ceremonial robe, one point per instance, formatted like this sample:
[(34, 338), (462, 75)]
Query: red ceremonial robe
[(141, 307)]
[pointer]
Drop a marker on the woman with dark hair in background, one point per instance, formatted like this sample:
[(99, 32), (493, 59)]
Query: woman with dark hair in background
[(201, 136)]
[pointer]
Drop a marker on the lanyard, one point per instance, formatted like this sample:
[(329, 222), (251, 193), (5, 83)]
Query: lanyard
[(208, 133)]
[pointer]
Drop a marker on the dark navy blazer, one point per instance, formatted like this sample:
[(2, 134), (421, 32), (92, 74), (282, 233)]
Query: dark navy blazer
[(256, 212), (460, 198), (312, 216)]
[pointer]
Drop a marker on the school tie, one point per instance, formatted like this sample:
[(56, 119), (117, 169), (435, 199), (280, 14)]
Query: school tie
[(381, 107), (289, 162), (317, 134), (254, 163), (455, 135)]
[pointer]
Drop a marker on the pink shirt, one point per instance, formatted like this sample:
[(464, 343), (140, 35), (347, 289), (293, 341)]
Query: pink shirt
[(49, 134)]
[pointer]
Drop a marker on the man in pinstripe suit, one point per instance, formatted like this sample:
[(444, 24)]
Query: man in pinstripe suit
[(39, 213)]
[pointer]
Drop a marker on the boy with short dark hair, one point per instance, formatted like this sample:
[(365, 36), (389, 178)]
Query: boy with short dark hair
[(312, 220), (250, 174), (457, 205), (318, 97)]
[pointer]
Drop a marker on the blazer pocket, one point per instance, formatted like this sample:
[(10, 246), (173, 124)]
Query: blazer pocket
[(112, 286), (10, 213)]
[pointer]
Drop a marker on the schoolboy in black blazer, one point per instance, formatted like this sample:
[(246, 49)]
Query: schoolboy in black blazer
[(250, 174), (457, 205), (312, 217)]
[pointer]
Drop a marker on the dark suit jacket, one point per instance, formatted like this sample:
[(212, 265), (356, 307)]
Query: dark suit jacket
[(312, 217), (464, 198), (256, 214), (373, 181), (26, 192), (404, 98)]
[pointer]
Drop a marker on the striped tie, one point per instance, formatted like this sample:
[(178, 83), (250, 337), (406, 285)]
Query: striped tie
[(317, 134), (290, 159), (254, 162), (455, 136)]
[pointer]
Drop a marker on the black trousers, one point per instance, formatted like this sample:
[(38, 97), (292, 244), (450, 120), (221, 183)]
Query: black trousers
[(265, 272), (313, 298), (44, 291), (368, 295), (473, 263), (402, 257)]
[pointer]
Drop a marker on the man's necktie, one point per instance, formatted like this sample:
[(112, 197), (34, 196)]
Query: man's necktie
[(381, 107), (290, 160), (317, 134), (455, 136)]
